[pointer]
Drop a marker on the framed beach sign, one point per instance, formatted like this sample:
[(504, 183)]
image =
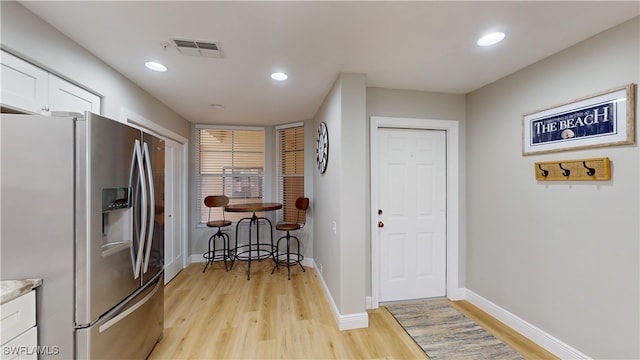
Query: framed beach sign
[(602, 119)]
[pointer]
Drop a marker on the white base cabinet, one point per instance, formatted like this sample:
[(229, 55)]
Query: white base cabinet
[(28, 88), (18, 331), (24, 347)]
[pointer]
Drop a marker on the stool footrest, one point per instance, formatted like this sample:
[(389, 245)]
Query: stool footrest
[(216, 254), (294, 259)]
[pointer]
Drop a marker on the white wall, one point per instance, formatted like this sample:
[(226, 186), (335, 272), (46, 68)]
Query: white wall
[(27, 36), (340, 196), (563, 256)]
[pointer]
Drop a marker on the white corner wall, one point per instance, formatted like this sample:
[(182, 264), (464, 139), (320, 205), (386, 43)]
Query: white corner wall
[(561, 256), (340, 198)]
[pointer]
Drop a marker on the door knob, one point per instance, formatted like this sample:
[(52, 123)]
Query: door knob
[(380, 224)]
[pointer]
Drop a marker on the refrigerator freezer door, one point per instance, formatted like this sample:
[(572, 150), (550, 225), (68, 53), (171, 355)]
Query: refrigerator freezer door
[(106, 243), (129, 331)]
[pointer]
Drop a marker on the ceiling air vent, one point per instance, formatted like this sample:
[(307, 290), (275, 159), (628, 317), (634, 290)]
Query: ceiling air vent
[(198, 48)]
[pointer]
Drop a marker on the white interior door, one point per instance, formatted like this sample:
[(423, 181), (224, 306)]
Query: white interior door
[(412, 213), (174, 256)]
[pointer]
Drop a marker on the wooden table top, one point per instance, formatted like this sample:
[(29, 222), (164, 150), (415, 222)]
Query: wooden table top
[(258, 206)]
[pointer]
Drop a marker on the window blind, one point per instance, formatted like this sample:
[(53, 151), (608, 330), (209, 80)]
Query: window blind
[(291, 170), (231, 163)]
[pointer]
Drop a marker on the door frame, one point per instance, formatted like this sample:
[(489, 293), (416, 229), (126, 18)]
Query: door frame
[(138, 121), (451, 129), (177, 163)]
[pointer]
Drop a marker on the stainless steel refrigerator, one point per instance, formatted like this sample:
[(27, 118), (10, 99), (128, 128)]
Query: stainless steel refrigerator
[(82, 208)]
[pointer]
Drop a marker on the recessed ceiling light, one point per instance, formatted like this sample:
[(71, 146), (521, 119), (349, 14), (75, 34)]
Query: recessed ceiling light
[(279, 76), (490, 39), (155, 66)]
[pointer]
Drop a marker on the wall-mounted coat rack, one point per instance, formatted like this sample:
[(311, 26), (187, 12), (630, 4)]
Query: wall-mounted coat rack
[(581, 169)]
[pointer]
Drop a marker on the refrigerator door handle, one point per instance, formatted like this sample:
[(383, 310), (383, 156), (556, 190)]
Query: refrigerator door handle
[(130, 310), (143, 205), (152, 204)]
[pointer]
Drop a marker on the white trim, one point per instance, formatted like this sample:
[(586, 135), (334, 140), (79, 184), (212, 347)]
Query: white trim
[(308, 262), (230, 127), (185, 202), (353, 321), (344, 322), (368, 303), (287, 126), (531, 332), (129, 117), (453, 159), (183, 190)]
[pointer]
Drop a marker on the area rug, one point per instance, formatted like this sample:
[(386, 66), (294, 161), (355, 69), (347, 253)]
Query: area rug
[(443, 333)]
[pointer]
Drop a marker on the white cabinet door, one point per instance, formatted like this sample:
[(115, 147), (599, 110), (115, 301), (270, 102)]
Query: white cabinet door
[(28, 88), (24, 347), (65, 96), (18, 315), (18, 331), (24, 86)]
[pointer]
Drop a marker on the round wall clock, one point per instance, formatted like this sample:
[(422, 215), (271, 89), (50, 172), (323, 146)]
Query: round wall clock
[(322, 148)]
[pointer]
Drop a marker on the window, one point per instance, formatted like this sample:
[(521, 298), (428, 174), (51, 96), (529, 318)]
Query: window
[(231, 163), (290, 169)]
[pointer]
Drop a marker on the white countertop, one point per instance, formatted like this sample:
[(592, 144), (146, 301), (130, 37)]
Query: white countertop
[(11, 289)]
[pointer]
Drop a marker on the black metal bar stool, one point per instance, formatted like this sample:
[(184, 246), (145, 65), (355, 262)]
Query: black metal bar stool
[(291, 257), (215, 253)]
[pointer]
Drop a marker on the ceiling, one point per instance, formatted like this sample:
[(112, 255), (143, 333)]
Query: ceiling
[(417, 45)]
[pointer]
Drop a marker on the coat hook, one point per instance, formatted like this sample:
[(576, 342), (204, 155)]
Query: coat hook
[(565, 172), (590, 171), (544, 172)]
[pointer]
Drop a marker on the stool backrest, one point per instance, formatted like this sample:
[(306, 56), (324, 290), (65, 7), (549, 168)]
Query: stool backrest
[(216, 201), (302, 204)]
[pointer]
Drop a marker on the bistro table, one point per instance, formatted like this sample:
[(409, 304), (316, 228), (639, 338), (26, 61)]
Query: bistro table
[(257, 250)]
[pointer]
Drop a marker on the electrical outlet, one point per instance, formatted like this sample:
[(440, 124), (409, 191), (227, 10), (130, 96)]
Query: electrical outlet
[(320, 268)]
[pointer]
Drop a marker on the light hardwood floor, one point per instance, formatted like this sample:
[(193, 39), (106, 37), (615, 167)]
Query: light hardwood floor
[(222, 315)]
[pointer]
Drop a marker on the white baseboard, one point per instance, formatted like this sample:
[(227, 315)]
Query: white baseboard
[(369, 302), (538, 336), (456, 294), (308, 262), (344, 322)]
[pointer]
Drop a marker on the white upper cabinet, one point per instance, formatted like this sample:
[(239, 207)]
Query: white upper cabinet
[(24, 86), (65, 96), (28, 88)]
